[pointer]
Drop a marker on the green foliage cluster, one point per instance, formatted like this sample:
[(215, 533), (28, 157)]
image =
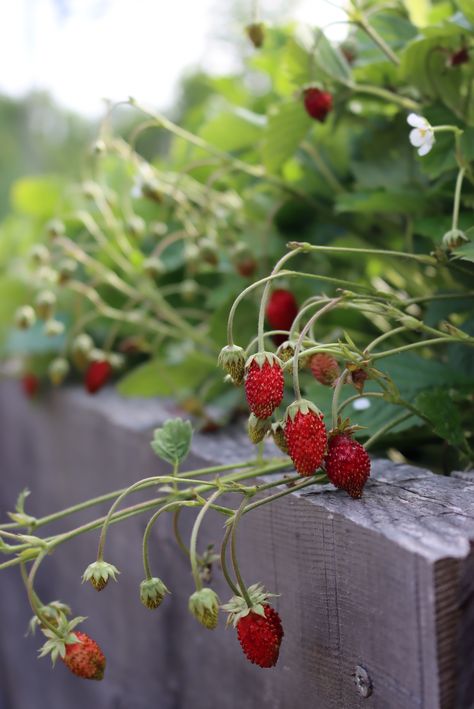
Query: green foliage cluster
[(160, 249)]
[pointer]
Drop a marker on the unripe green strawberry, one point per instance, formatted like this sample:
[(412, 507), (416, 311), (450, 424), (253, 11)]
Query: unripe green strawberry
[(264, 383), (347, 464), (53, 328), (256, 33), (257, 428), (189, 290), (85, 658), (58, 370), (136, 225), (152, 592), (66, 269), (232, 360), (98, 574), (306, 436), (40, 255), (204, 606), (154, 267), (25, 317), (278, 435), (55, 228), (324, 368), (45, 303), (81, 347)]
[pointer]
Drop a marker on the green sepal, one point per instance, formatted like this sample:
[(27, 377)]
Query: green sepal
[(302, 405), (98, 573), (152, 592), (237, 607), (204, 606), (261, 357)]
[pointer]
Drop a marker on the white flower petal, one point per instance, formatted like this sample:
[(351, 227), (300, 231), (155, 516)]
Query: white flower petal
[(417, 121), (417, 138), (425, 148)]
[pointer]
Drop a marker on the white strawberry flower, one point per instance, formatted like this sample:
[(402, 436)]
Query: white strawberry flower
[(422, 135)]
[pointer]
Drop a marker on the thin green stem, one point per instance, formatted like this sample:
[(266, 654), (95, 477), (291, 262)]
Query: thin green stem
[(353, 250), (146, 535), (415, 345), (335, 397), (383, 337), (265, 296), (225, 569), (179, 539), (314, 480), (457, 197), (233, 552), (193, 540), (323, 168), (350, 399), (362, 22)]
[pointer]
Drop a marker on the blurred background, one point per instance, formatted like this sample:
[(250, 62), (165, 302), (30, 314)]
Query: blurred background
[(62, 59)]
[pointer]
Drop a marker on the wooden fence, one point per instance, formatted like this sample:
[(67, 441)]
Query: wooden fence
[(377, 595)]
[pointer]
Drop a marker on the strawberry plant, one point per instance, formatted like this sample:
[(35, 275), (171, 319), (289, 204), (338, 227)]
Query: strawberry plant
[(351, 171)]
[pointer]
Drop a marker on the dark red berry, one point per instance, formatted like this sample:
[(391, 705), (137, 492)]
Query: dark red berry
[(347, 464), (30, 385), (317, 103), (260, 636), (97, 375)]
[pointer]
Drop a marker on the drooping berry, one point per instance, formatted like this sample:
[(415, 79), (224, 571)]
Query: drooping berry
[(30, 385), (459, 57), (347, 464), (257, 428), (97, 375), (85, 658), (306, 436), (264, 383), (324, 368), (232, 360), (256, 33), (260, 636), (317, 103), (282, 309), (259, 628)]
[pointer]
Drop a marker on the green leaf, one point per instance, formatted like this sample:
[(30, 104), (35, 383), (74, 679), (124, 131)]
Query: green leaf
[(437, 406), (467, 8), (392, 202), (288, 124), (419, 11), (329, 60), (36, 196), (161, 378), (172, 441), (466, 252), (234, 130)]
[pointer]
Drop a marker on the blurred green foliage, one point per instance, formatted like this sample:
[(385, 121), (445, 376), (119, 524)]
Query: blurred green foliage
[(252, 172)]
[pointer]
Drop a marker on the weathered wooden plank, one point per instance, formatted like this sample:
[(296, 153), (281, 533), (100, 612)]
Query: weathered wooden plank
[(384, 584)]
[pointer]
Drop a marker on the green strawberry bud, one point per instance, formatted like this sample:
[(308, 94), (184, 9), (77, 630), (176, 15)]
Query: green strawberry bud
[(45, 303), (58, 370), (25, 317), (152, 592), (204, 606), (98, 573)]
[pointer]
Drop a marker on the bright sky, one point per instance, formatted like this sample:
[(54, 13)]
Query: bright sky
[(120, 48)]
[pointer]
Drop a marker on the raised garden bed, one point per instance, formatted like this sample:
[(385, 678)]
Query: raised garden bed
[(381, 588)]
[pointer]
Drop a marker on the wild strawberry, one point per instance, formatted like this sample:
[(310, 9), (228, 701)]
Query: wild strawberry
[(306, 436), (232, 360), (260, 636), (282, 309), (85, 658), (324, 368), (257, 429), (256, 33), (97, 375), (264, 384), (259, 628), (30, 385), (347, 464), (278, 435), (459, 57), (317, 103)]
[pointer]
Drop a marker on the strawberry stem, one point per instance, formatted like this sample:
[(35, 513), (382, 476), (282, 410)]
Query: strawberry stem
[(193, 540), (233, 551)]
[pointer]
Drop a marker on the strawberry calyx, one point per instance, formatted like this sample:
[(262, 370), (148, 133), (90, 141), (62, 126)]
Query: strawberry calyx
[(344, 427), (261, 358), (98, 573), (303, 406), (238, 608), (57, 640)]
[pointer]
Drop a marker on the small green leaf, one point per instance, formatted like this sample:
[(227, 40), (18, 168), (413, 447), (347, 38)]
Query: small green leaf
[(329, 60), (466, 252), (437, 406), (288, 124), (161, 378), (173, 440)]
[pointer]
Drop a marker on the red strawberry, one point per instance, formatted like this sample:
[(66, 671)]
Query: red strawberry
[(264, 384), (85, 658), (459, 57), (282, 309), (97, 375), (30, 385), (324, 368), (317, 103), (246, 267), (347, 464), (260, 636), (306, 436)]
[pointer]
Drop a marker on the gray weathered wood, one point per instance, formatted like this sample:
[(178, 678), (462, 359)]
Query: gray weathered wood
[(385, 583)]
